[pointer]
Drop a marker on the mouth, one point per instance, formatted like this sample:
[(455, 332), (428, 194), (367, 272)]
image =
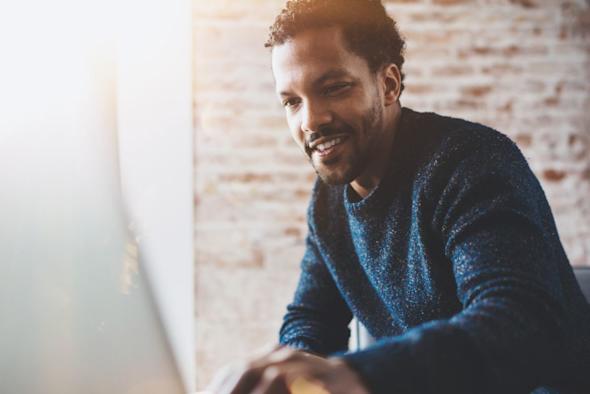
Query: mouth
[(328, 146)]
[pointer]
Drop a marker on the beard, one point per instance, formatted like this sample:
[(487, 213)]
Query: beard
[(361, 142)]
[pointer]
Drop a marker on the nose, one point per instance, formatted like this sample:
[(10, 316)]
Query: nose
[(315, 116)]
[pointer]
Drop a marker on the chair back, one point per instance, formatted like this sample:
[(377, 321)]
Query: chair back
[(583, 277)]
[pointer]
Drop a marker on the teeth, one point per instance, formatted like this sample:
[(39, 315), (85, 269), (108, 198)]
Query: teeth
[(328, 145)]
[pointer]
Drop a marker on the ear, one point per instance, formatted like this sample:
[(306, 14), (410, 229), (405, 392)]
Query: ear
[(392, 81)]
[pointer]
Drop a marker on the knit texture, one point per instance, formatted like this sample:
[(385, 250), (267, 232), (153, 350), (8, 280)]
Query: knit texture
[(453, 263)]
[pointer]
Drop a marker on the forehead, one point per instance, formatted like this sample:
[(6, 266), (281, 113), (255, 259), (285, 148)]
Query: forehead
[(311, 55)]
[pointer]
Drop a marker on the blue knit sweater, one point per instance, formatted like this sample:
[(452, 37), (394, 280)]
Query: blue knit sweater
[(454, 265)]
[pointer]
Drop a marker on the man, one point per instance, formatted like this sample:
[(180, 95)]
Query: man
[(432, 231)]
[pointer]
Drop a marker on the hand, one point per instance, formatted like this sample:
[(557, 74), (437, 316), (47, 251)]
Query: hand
[(284, 370)]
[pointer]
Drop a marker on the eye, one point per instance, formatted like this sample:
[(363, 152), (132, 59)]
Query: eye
[(291, 102), (334, 89)]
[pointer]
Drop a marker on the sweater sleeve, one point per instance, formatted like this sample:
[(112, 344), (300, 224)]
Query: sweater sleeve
[(491, 218), (317, 319)]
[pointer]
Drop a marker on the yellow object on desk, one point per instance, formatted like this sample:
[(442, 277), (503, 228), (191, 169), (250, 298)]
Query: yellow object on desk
[(304, 386), (298, 386)]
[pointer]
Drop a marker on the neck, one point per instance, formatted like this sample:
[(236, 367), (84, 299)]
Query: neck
[(369, 179)]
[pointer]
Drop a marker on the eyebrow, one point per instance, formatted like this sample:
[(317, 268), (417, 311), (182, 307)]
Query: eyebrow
[(330, 74)]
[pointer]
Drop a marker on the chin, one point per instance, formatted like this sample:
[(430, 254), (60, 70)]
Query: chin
[(340, 172), (331, 180), (336, 177)]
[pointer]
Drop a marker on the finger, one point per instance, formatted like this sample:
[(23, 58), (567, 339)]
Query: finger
[(232, 377), (246, 381), (273, 381), (266, 365), (280, 355), (242, 378)]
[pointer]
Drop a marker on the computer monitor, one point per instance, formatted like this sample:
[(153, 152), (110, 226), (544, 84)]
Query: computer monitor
[(76, 310)]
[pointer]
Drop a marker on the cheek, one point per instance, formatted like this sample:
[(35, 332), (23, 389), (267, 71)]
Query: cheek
[(353, 111), (296, 133)]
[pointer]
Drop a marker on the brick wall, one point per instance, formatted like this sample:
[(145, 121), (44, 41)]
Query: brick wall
[(521, 66)]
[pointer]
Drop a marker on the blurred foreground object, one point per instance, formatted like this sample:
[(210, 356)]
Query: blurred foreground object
[(77, 306)]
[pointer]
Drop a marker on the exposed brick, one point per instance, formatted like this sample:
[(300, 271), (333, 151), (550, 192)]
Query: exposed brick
[(520, 66), (403, 1), (525, 3), (551, 101), (554, 175), (503, 69), (503, 52), (453, 70), (451, 2), (418, 88), (506, 107), (477, 91), (246, 178), (523, 140), (293, 232)]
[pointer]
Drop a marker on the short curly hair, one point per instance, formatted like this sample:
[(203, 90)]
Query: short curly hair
[(369, 32)]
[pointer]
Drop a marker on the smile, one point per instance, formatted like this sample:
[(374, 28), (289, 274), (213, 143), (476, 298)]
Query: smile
[(328, 150), (327, 145)]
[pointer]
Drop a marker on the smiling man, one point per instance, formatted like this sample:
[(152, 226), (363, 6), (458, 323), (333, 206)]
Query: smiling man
[(431, 230), (339, 112)]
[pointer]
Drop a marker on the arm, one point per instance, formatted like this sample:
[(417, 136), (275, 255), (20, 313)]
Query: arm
[(316, 322), (493, 223), (317, 319)]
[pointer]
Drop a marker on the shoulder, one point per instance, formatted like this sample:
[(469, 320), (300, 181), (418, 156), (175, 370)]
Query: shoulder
[(463, 160), (449, 145), (447, 135)]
